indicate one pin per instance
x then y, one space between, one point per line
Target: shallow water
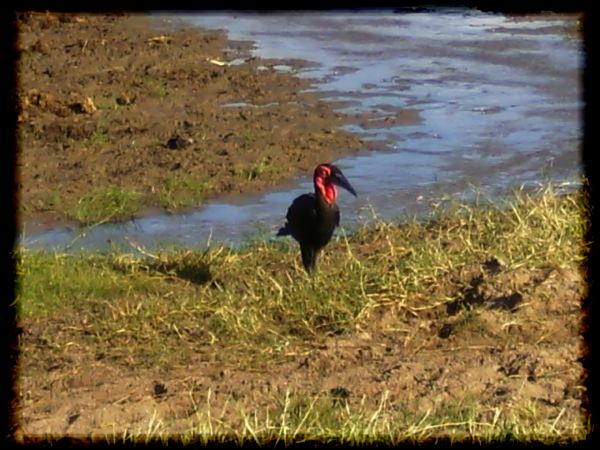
497 102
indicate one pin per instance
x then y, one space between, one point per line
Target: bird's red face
327 189
326 177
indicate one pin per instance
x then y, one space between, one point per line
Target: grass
157 88
175 193
111 203
117 204
98 137
181 192
54 200
259 169
106 102
262 287
255 305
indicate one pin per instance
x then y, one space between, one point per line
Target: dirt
129 101
112 100
510 343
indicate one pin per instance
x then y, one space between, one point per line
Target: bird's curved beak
340 180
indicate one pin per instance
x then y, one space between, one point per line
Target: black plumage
312 218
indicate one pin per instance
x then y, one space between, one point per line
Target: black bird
311 218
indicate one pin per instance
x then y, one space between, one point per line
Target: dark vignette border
9 327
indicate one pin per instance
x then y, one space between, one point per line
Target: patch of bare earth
507 343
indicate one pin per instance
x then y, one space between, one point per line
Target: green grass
181 192
31 131
55 282
255 304
259 169
118 204
161 90
54 200
98 137
106 102
258 296
157 88
110 204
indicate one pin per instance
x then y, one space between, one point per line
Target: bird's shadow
197 272
190 266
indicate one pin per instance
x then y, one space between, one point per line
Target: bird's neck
327 191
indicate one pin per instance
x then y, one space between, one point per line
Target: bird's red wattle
328 190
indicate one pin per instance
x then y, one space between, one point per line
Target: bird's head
326 178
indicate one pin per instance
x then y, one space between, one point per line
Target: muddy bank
131 103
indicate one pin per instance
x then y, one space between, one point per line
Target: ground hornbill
311 218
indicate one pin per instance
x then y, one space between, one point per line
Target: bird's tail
309 258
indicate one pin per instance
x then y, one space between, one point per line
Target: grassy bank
470 279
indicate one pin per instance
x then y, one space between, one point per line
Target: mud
132 102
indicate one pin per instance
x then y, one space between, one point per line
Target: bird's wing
302 211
